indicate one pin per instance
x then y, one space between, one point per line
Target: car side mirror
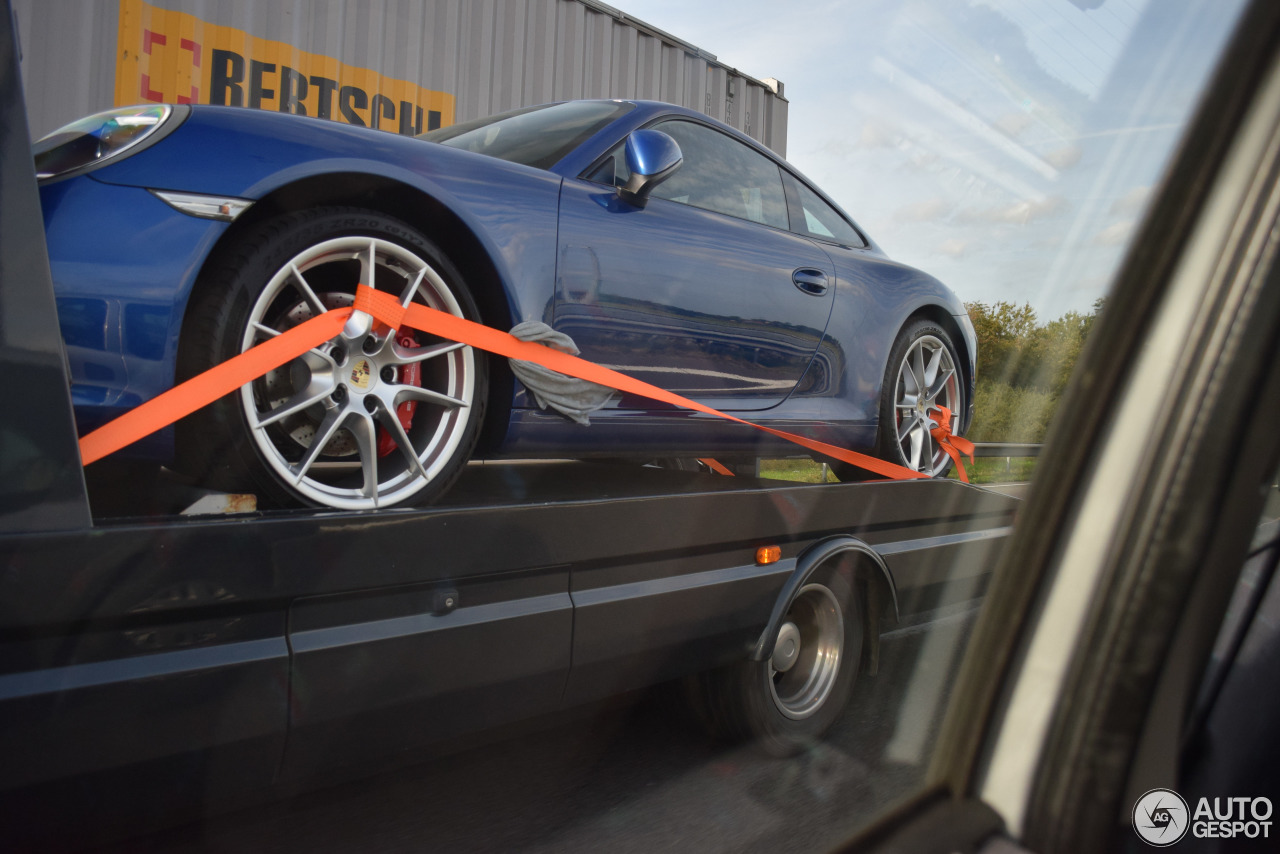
652 157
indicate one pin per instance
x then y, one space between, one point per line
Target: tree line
1023 368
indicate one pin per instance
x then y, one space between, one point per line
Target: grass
800 471
997 469
982 470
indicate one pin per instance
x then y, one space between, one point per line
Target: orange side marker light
766 555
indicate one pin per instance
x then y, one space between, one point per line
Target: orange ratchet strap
203 389
225 378
951 443
716 466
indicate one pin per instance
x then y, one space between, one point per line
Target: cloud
1065 157
953 247
923 161
1116 234
1095 284
1020 212
1013 124
930 210
1132 202
878 134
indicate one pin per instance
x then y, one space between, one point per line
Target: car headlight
92 141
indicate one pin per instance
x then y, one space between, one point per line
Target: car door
703 290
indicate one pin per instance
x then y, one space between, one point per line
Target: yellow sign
171 57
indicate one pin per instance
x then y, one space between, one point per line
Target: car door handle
812 282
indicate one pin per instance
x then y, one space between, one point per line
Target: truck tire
789 701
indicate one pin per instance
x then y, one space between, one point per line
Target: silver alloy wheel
316 420
814 623
927 378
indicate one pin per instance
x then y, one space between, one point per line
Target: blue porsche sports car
665 244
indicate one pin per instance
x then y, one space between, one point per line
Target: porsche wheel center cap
361 374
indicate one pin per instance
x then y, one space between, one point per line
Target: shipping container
400 65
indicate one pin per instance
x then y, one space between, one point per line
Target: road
634 779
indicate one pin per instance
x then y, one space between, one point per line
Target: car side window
612 170
819 219
723 175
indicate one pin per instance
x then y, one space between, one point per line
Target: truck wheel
368 419
789 701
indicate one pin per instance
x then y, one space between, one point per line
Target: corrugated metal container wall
461 59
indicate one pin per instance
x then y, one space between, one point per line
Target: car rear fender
964 342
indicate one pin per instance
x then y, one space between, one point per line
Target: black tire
788 712
903 437
351 390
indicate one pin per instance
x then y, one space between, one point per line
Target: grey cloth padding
570 396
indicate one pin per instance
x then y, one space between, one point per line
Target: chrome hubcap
927 379
786 649
809 648
316 420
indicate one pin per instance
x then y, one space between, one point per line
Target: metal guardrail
1004 449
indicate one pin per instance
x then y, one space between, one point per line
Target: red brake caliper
410 374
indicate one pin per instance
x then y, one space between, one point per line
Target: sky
1008 147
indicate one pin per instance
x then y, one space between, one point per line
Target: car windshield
534 136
